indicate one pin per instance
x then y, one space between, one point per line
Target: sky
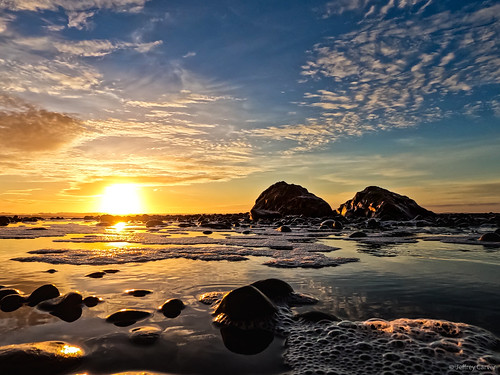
201 105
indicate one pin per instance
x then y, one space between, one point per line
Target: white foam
402 346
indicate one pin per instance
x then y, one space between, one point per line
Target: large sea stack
376 202
283 199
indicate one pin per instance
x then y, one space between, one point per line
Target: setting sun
121 199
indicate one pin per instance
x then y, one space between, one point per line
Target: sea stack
283 199
376 202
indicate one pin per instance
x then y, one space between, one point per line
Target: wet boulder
376 202
275 289
7 291
41 358
127 317
490 237
67 307
245 307
92 301
283 199
12 302
43 293
172 308
4 221
145 335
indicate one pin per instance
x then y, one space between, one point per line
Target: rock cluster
376 202
283 199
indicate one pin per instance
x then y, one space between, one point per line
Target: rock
92 301
138 292
96 275
376 202
4 221
358 235
154 223
12 302
284 229
111 271
172 308
51 270
245 306
145 335
127 317
6 291
246 232
43 293
287 199
275 289
316 317
67 307
207 232
41 358
246 341
490 237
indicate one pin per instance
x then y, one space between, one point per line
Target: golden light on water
121 199
69 350
119 226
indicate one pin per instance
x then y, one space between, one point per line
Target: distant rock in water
288 199
376 202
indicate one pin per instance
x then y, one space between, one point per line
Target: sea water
428 276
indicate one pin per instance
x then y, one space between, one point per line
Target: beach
426 273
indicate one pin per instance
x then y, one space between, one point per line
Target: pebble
96 275
138 292
92 301
12 302
127 317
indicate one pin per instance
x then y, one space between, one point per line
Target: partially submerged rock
12 302
288 199
41 358
145 335
43 293
172 308
376 202
127 317
67 307
490 237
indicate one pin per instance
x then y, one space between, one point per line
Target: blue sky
204 104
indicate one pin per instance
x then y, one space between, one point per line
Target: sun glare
121 199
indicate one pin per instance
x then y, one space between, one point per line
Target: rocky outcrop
283 199
376 202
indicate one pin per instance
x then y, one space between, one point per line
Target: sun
121 199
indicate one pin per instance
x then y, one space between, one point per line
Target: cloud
72 5
398 72
79 20
26 128
98 48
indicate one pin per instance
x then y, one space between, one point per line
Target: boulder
41 358
376 202
288 199
172 308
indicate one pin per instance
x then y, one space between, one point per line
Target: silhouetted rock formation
376 202
287 199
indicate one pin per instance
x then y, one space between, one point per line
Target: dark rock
287 199
138 292
316 317
45 292
275 289
7 291
38 228
331 224
41 358
373 224
52 270
96 275
375 202
92 301
67 307
146 335
244 305
490 237
127 317
172 308
217 225
154 223
12 302
207 232
246 232
284 229
4 221
246 341
357 235
111 271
